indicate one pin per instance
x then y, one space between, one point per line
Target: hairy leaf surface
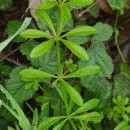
104 32
15 86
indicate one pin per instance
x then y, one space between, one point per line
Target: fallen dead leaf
33 5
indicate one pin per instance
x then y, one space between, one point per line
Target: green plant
119 6
34 77
65 78
5 4
119 112
121 108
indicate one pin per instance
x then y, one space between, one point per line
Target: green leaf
10 128
27 47
23 121
125 101
75 96
35 118
125 117
5 69
81 2
80 31
78 39
23 26
28 85
0 103
121 125
87 106
121 85
46 19
34 33
94 11
98 88
93 116
88 70
63 20
47 5
97 56
12 27
76 49
48 122
41 48
66 12
5 4
46 62
123 67
117 4
35 85
127 109
104 32
30 74
15 86
126 128
59 126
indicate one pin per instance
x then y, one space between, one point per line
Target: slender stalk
116 41
72 124
58 43
58 58
65 100
59 62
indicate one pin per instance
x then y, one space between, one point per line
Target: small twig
14 62
116 40
87 9
12 52
27 8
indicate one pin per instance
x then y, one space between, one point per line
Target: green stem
116 41
60 67
58 43
72 124
58 58
65 100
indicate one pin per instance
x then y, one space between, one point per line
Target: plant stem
73 125
116 35
58 58
65 100
58 43
59 62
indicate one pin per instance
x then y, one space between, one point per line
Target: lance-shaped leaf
74 95
59 126
88 70
23 121
30 74
48 122
41 48
47 4
76 49
81 2
66 12
34 33
121 125
86 106
23 26
46 19
62 20
80 31
93 116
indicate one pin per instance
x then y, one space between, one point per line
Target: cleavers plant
34 77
